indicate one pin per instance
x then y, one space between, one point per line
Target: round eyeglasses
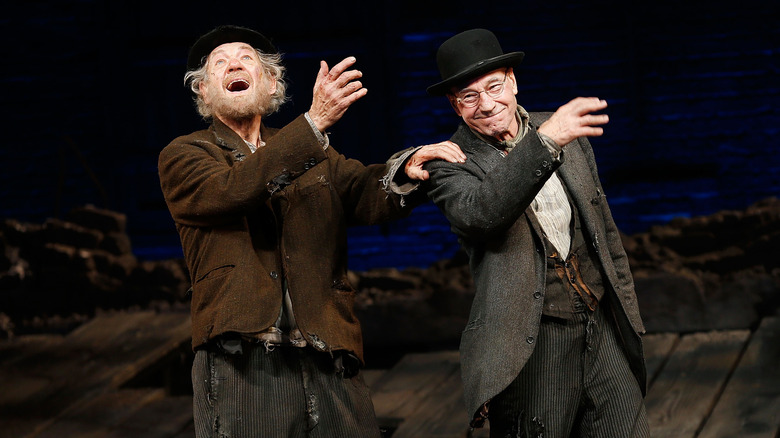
470 99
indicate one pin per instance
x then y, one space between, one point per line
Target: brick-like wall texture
92 90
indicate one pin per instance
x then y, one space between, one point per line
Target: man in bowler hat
262 216
552 347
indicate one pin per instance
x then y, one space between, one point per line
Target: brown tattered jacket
248 221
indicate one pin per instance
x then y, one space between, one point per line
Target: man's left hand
334 91
445 150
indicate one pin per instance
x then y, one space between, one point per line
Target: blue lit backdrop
92 90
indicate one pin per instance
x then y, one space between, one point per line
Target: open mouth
237 85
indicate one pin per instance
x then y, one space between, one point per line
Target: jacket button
538 172
530 339
274 275
537 295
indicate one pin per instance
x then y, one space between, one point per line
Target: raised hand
334 91
574 120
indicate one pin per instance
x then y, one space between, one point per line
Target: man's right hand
445 150
574 120
334 91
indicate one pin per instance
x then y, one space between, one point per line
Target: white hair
272 66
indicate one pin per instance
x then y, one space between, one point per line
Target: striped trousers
577 383
285 392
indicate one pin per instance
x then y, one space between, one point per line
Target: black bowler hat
222 35
469 55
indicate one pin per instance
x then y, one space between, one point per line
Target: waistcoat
575 284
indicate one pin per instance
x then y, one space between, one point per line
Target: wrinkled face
494 113
236 87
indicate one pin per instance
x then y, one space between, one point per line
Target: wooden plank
134 342
167 417
127 413
398 393
658 347
420 396
49 377
750 404
22 384
96 417
12 349
441 413
690 383
55 376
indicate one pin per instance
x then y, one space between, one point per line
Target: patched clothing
488 202
249 222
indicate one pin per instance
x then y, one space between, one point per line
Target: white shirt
551 205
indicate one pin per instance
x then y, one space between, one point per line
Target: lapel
481 154
583 191
485 156
227 139
573 173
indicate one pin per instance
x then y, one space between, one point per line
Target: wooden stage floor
111 378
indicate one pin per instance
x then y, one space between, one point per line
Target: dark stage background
92 90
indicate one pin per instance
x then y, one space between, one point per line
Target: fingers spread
339 83
335 90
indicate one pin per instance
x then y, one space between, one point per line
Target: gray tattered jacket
487 201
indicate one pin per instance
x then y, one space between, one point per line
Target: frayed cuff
321 137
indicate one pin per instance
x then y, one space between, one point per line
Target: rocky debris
713 272
694 274
55 274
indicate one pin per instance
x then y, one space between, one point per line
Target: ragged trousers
285 392
577 383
